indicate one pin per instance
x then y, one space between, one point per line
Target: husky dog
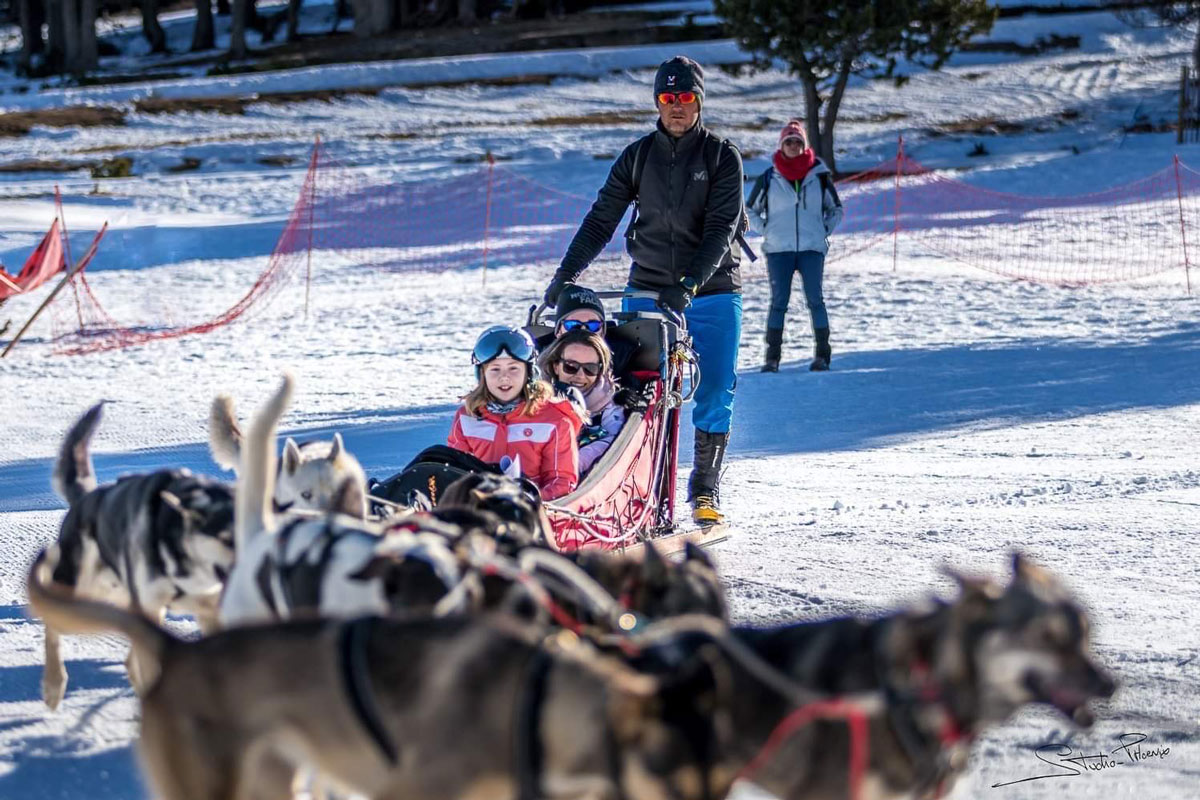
150 542
398 708
946 674
309 475
304 564
454 559
516 500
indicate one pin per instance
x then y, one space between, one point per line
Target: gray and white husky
148 543
310 475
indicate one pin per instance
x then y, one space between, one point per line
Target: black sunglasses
593 325
572 367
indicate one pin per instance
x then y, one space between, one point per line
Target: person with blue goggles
512 412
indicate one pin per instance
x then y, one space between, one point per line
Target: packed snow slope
964 417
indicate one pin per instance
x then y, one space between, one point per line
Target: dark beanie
574 298
679 74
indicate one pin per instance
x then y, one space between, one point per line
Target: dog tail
224 433
256 477
74 475
57 606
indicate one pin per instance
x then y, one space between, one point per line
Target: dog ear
694 552
291 456
350 498
654 567
335 452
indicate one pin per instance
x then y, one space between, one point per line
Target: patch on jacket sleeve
477 428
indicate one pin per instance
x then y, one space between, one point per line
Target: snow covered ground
965 416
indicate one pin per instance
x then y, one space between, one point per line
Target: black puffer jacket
686 219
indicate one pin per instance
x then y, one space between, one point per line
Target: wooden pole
74 271
487 213
1183 103
1187 266
896 212
312 201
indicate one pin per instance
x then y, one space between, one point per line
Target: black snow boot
774 350
704 483
822 353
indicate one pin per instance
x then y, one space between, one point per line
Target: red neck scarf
794 169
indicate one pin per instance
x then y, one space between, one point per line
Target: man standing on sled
686 187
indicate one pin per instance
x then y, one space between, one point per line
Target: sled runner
628 496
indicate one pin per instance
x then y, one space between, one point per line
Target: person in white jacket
796 208
580 365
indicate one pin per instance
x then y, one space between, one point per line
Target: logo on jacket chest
702 175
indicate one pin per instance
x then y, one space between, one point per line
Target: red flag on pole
43 263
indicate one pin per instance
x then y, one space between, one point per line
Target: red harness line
855 718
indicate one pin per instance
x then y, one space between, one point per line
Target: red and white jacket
546 442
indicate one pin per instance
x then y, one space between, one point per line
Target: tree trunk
812 114
70 17
466 12
1196 55
237 32
204 35
151 29
33 14
54 41
89 57
831 113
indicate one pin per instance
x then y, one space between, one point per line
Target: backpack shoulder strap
639 162
827 185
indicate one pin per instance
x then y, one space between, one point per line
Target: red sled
629 496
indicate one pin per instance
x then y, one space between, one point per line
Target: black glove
631 400
676 298
555 289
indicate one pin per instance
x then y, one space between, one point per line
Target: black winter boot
822 353
774 350
703 486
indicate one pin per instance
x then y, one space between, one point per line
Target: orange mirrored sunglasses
667 98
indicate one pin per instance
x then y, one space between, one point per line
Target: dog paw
53 691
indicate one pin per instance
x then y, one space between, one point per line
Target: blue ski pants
715 324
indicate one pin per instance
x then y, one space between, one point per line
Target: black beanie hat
574 298
679 74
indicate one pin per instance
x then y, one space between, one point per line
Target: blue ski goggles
503 339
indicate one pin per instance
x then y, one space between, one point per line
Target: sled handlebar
537 311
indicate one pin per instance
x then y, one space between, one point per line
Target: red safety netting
1123 233
99 331
493 216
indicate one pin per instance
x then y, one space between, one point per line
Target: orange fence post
896 212
487 213
1187 270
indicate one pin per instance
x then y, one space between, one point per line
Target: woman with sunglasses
581 360
513 413
797 208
